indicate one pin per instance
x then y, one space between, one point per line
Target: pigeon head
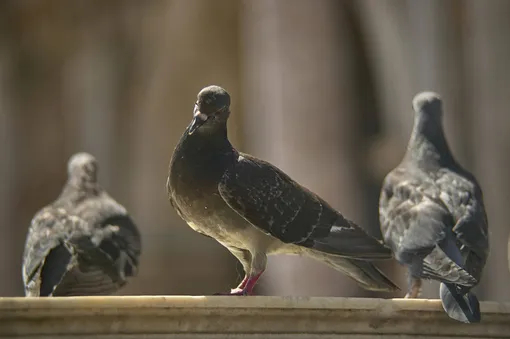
211 109
82 167
428 105
428 142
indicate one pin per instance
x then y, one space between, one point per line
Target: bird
432 215
254 209
83 243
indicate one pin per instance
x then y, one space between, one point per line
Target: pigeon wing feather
271 201
416 224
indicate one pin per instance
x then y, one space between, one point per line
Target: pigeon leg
245 287
414 287
258 265
245 258
248 286
242 284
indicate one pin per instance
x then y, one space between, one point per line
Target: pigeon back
273 202
432 214
86 230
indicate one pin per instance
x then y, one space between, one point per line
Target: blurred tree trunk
35 124
8 264
298 107
487 46
117 80
170 71
413 46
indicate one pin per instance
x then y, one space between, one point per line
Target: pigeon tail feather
86 280
461 307
349 240
363 272
438 265
91 251
81 267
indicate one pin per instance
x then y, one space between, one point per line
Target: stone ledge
241 317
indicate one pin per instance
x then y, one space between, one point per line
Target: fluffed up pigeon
84 243
254 209
432 215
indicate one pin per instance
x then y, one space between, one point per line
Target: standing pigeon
433 217
84 243
254 209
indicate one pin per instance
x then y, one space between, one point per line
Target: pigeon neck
83 184
209 140
428 144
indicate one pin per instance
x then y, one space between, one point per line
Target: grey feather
431 209
253 208
84 243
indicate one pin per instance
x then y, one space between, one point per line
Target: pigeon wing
417 227
464 198
123 245
45 259
271 201
411 222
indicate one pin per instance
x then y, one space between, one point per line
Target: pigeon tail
91 250
89 277
349 240
444 263
459 305
366 274
84 280
81 267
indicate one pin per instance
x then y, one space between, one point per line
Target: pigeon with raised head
254 209
84 243
433 217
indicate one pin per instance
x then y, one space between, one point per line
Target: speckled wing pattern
270 200
47 258
423 219
65 254
463 196
122 246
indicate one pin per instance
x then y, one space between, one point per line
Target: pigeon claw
414 288
235 292
238 291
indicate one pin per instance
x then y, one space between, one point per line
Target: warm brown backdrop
322 88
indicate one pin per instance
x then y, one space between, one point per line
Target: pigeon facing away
432 215
84 243
254 209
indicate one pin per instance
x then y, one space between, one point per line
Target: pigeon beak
198 120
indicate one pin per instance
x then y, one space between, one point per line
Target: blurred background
321 88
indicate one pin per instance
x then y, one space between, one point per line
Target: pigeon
254 209
433 217
84 243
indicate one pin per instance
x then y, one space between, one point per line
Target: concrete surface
158 317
